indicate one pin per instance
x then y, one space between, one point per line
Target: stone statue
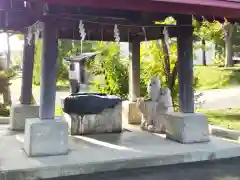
153 110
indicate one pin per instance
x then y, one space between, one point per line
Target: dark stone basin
89 103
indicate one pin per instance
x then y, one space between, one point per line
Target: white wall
210 52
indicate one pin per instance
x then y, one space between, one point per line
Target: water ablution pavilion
45 149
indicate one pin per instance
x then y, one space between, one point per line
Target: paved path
16 92
222 98
217 170
214 99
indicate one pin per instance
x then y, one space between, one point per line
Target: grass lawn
226 118
212 77
58 110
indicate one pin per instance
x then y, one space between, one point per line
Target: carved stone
153 110
108 121
131 114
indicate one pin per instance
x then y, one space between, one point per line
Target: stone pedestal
109 121
45 137
20 113
131 113
153 118
187 127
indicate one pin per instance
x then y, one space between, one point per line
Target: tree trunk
204 60
166 60
170 76
228 31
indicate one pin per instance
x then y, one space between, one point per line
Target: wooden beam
4 4
17 20
106 33
95 31
135 17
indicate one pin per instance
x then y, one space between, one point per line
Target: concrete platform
106 152
225 169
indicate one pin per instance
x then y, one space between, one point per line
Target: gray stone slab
45 137
108 152
19 114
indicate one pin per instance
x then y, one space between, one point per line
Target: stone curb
225 133
4 120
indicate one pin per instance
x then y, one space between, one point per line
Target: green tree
112 67
160 59
37 62
211 32
66 48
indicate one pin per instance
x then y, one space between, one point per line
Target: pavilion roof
218 8
100 16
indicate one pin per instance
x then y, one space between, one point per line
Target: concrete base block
45 137
187 127
21 112
130 112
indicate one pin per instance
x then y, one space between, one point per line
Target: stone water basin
90 113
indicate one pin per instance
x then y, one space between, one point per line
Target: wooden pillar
27 73
134 71
8 51
185 71
49 71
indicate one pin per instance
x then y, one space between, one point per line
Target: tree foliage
110 69
210 32
66 48
5 78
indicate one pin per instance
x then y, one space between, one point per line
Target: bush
112 68
4 110
219 60
5 77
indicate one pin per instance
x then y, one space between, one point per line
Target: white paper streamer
116 33
82 30
166 36
145 38
30 36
